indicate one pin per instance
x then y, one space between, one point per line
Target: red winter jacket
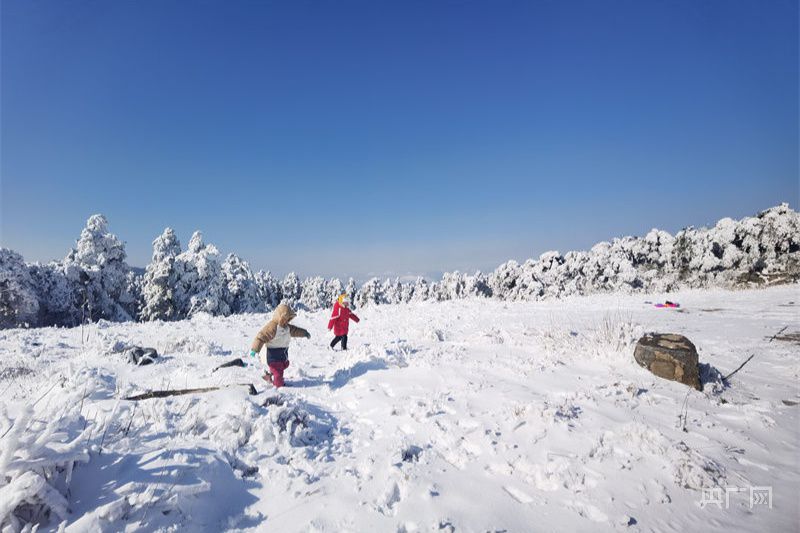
340 319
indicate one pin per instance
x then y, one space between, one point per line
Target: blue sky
352 138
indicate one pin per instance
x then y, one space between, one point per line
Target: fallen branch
181 392
740 367
753 355
236 362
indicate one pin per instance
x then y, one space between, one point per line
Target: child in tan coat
276 335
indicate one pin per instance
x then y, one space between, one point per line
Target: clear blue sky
349 137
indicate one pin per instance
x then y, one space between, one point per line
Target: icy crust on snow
457 416
94 281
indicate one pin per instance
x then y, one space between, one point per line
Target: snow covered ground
469 415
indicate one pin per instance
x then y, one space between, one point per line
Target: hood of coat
283 315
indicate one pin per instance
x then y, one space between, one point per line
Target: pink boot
277 369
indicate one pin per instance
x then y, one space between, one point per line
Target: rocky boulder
669 356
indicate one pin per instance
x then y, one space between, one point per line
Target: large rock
669 356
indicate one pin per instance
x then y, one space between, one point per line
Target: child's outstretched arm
294 331
354 318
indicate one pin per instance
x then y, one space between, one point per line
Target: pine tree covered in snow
421 290
19 304
291 289
392 291
269 290
333 288
100 257
240 284
407 292
370 293
200 286
160 279
351 290
314 294
477 285
60 299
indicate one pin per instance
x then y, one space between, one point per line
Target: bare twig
740 367
753 355
53 386
133 414
34 404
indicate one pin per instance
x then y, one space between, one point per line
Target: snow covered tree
314 295
407 292
291 289
371 293
392 291
503 281
351 289
160 279
333 288
241 287
269 290
100 256
19 304
477 285
199 284
60 298
421 290
452 286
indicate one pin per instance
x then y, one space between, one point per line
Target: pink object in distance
668 305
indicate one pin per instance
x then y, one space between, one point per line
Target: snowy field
470 415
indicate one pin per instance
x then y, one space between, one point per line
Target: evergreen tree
291 289
200 285
161 279
241 287
19 304
98 262
269 290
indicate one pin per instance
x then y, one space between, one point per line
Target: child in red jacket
340 320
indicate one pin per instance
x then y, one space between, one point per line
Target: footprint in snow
517 494
587 510
388 504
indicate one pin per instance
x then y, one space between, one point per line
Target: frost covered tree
333 288
60 299
760 249
98 263
19 304
199 283
503 281
314 294
477 285
269 290
291 289
407 292
371 293
241 287
752 249
391 291
421 290
452 286
351 289
160 279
